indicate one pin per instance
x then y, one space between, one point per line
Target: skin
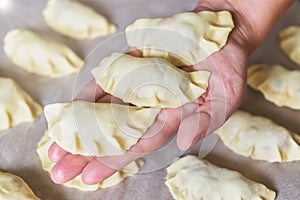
253 20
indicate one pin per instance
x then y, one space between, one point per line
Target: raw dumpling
97 129
13 187
278 85
42 150
191 178
259 138
290 42
183 39
16 106
149 81
40 55
76 20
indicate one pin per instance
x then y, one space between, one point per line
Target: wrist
261 15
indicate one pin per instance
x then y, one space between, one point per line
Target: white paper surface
18 145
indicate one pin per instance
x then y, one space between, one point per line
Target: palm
191 121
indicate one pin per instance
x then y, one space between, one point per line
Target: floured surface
18 145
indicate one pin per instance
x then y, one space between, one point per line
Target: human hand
194 120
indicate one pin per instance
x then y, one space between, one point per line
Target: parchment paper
18 145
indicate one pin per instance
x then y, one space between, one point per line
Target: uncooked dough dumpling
39 54
183 39
13 187
150 82
76 20
278 84
290 42
190 178
259 138
97 129
16 106
42 150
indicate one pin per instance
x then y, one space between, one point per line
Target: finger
110 99
220 100
100 169
91 175
134 52
68 168
56 153
209 117
91 92
163 129
158 134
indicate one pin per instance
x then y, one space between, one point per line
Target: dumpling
97 129
13 187
259 138
16 106
290 42
278 85
76 20
191 178
151 82
40 55
42 150
183 39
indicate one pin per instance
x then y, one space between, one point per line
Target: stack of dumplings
149 83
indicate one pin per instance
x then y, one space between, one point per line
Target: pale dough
39 54
13 187
290 42
16 106
278 85
259 138
76 20
97 129
149 82
190 178
77 183
184 38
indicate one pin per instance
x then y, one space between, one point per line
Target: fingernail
184 144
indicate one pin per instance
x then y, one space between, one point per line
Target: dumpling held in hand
42 151
153 82
97 129
183 39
